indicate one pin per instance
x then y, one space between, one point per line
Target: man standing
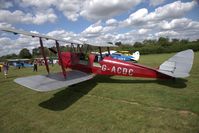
35 66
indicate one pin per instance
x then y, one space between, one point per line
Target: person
22 65
5 69
35 66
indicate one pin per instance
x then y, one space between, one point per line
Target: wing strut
100 50
43 53
108 51
60 59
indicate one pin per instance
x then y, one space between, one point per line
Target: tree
9 56
62 48
163 41
14 56
109 42
46 51
184 41
175 40
35 52
138 44
25 53
118 43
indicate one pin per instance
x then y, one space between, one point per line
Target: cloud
136 17
43 11
100 9
179 24
70 9
5 25
156 2
93 30
100 29
20 17
173 10
167 34
6 46
111 22
5 4
184 27
40 4
43 17
10 46
167 12
142 31
141 23
69 36
89 9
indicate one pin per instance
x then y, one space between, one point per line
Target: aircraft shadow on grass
65 98
173 83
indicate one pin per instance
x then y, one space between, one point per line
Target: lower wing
53 81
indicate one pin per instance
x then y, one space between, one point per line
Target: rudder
179 65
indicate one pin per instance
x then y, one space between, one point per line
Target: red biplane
82 69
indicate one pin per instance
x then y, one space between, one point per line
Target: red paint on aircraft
109 66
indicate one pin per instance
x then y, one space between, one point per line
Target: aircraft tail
136 56
179 65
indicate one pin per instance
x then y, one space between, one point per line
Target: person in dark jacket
35 66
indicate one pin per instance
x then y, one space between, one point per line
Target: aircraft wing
101 45
53 81
15 31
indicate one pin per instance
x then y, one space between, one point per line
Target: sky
96 21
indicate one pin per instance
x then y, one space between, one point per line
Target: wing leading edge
16 31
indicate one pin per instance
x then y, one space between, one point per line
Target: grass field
103 104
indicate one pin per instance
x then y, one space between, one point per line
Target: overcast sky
97 21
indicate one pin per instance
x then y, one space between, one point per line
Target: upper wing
53 81
101 45
15 31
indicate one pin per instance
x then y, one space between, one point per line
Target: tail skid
179 65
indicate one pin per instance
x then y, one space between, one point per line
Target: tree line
162 45
36 53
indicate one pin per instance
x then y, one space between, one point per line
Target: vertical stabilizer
136 56
179 65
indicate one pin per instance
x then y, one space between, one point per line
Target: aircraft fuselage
109 66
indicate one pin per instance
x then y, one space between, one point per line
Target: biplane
76 67
134 57
123 55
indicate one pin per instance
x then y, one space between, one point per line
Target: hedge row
156 49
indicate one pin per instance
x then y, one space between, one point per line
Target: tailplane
179 65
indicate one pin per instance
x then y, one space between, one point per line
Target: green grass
103 104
